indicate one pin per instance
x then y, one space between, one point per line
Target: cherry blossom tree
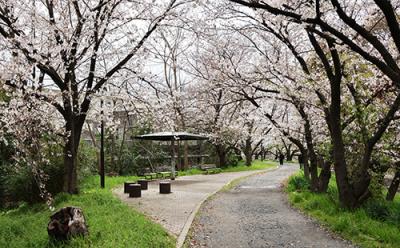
66 43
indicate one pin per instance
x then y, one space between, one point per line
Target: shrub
297 182
377 210
87 158
232 159
19 183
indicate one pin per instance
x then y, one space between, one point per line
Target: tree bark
248 152
393 186
73 126
324 177
221 153
74 129
306 167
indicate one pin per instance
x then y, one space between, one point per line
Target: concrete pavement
175 211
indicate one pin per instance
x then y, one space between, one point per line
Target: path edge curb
180 241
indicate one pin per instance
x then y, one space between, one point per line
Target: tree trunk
74 129
263 155
393 186
346 196
324 177
248 152
70 164
306 168
221 153
289 154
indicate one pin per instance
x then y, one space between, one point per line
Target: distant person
301 162
281 157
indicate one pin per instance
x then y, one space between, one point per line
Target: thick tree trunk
324 177
74 129
306 169
310 147
248 152
289 155
346 194
221 153
70 166
313 169
393 186
249 159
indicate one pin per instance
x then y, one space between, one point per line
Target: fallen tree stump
67 222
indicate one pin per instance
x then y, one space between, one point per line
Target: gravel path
255 214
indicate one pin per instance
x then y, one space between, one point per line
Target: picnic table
210 168
161 173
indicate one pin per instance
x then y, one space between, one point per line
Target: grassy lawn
376 224
111 222
256 165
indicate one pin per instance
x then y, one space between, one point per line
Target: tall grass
111 222
375 224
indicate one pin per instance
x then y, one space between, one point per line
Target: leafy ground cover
256 165
375 224
111 222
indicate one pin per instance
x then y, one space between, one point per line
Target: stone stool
126 186
165 187
134 190
144 184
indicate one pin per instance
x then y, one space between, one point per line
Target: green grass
111 222
375 224
256 165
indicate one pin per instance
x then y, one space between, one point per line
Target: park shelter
171 136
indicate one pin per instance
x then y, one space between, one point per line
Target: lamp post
102 176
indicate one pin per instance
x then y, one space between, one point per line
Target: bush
297 183
377 210
20 185
88 164
232 159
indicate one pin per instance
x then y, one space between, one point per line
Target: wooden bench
210 168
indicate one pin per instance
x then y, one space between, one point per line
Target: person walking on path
281 157
301 162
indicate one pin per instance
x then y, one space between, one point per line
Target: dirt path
256 214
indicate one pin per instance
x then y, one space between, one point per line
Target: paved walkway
255 214
174 210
